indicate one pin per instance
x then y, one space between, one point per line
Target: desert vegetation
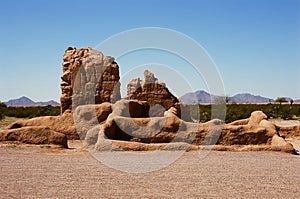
242 111
28 112
233 111
2 107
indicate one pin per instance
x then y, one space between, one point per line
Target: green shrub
280 99
31 112
233 111
2 110
2 105
243 111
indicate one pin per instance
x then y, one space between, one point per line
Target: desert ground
45 171
49 172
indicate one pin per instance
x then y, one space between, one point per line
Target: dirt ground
49 172
46 172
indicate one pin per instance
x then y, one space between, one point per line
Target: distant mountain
51 102
249 98
204 97
201 97
25 101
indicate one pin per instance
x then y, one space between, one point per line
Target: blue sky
254 43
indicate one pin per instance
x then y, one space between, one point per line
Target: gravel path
35 172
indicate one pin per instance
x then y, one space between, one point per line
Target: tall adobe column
88 77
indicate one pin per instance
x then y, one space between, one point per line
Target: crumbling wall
88 77
152 91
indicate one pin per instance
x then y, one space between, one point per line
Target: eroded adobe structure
148 118
88 77
151 90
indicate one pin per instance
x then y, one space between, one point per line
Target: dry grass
6 121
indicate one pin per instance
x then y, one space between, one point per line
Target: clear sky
254 43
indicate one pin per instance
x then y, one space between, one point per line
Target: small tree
2 105
280 100
291 102
2 108
227 99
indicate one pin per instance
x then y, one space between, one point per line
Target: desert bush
2 105
30 112
233 111
280 99
2 109
243 111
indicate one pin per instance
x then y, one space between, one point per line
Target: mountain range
25 101
204 97
200 96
